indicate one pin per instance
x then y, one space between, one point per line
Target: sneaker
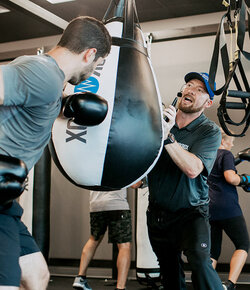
228 285
81 283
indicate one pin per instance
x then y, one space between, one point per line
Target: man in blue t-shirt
225 211
177 215
30 100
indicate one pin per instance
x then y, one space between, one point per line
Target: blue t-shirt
32 100
224 201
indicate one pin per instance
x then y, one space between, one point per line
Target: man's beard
190 109
77 79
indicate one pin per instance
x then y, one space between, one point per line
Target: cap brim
194 75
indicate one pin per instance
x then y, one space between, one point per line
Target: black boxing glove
245 182
243 155
85 109
13 173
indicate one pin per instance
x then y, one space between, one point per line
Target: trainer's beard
191 109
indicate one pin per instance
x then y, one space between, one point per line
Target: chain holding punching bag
126 145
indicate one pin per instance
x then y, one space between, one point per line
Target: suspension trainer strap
220 47
242 28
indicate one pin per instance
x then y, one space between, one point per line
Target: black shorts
15 241
236 230
118 223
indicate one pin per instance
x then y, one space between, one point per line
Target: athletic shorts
235 228
15 241
118 223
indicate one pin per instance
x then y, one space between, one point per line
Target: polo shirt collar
194 123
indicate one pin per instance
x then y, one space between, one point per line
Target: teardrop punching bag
126 145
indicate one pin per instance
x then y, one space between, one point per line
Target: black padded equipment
13 173
85 109
243 155
125 146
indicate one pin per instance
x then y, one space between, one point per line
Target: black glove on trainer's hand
85 109
245 182
13 173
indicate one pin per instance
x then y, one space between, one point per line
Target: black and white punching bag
126 145
147 266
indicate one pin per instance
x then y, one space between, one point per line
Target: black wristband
170 139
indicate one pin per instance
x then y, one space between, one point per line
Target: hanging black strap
220 47
128 28
129 43
229 69
242 28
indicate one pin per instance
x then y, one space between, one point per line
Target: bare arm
136 185
189 163
232 177
1 87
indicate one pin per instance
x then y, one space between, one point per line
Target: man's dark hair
86 32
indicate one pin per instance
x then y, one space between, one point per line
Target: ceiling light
58 1
3 9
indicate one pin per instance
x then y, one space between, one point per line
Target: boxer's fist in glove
13 173
243 155
85 109
245 182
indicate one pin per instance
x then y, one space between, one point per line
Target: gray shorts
118 223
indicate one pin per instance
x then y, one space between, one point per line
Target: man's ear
209 103
89 55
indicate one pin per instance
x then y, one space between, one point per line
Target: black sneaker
228 285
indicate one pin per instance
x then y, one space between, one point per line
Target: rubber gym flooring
65 283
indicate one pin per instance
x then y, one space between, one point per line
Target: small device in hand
173 104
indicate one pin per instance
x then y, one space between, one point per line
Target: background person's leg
237 262
123 264
236 230
88 252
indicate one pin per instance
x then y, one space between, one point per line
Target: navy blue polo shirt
224 201
171 189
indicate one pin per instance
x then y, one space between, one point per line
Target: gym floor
62 279
65 283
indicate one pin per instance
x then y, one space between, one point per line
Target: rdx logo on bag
71 128
89 85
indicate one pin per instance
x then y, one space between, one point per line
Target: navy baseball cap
204 77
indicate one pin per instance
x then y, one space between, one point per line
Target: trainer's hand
170 113
245 182
13 173
85 109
